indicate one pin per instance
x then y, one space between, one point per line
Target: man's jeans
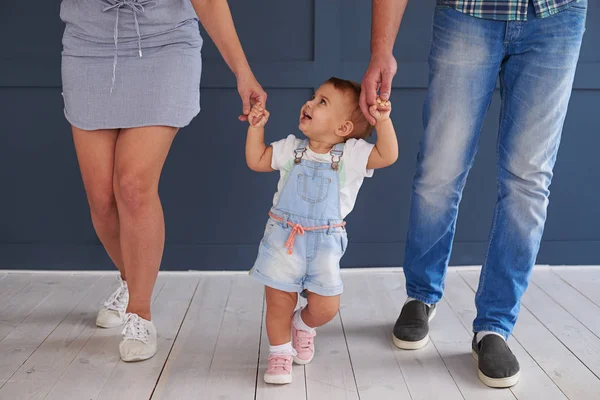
536 62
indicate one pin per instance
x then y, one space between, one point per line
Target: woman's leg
139 158
96 157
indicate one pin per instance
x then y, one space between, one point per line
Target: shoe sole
108 326
405 345
495 382
303 362
278 379
138 358
413 345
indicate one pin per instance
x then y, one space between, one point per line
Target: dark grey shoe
497 366
411 331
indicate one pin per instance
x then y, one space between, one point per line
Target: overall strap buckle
336 156
300 151
298 154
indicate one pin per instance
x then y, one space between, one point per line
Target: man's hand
379 75
258 116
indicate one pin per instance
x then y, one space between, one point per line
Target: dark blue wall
215 207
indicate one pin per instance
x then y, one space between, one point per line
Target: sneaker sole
108 326
105 322
413 345
303 362
495 382
278 379
138 358
406 345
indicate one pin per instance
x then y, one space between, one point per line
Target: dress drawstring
136 7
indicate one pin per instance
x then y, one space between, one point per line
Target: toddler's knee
279 302
325 308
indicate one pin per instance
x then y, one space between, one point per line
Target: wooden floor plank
378 374
25 293
579 306
582 342
424 370
187 369
534 382
234 365
88 373
21 342
567 372
41 371
453 342
10 285
330 376
586 281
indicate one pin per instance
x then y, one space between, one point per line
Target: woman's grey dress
130 63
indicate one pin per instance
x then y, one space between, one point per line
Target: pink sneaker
279 370
304 344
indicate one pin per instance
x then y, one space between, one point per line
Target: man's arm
385 22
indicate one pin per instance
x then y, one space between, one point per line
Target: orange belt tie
298 229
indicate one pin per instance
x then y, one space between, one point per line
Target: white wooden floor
212 341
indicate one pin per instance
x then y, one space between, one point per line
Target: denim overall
310 198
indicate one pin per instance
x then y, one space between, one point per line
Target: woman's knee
103 206
133 191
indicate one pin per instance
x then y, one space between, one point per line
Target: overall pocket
313 189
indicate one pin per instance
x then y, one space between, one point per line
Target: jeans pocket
580 7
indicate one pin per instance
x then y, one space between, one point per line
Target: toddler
305 236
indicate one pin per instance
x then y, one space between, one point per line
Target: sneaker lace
280 361
304 340
135 329
118 300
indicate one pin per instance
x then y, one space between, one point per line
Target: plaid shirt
506 10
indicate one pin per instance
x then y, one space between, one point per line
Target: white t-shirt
353 166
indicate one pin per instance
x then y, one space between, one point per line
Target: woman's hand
258 116
251 93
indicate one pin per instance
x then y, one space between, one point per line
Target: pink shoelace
280 362
304 340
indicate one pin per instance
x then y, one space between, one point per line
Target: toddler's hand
381 110
258 116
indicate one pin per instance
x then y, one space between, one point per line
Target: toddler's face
323 117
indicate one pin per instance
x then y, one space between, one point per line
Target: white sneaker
139 339
113 312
